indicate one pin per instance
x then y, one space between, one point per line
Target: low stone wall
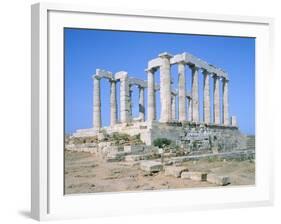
201 138
196 137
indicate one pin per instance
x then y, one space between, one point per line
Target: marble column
182 92
113 104
173 99
189 109
96 104
124 99
165 88
195 94
225 115
141 103
155 109
216 100
206 98
150 95
130 101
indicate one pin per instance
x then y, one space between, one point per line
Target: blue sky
87 50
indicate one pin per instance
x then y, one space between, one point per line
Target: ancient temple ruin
180 124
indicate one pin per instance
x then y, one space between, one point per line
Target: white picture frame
48 201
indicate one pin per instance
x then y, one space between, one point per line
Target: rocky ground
89 173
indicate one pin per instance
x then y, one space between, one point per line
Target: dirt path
87 173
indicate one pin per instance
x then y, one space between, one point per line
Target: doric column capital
151 70
205 72
165 55
194 67
225 80
182 62
112 80
96 77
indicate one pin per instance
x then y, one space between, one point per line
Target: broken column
141 103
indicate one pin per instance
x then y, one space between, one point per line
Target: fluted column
206 98
173 99
113 104
165 88
216 100
225 115
150 95
195 94
182 92
189 109
130 102
124 98
141 103
155 109
96 104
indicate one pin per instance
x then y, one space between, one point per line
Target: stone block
175 170
115 157
101 136
151 166
130 158
198 176
219 180
134 148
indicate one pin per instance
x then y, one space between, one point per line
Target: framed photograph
137 112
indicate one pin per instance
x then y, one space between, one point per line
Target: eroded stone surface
199 176
219 180
151 166
175 170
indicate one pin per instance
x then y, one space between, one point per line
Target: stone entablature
169 112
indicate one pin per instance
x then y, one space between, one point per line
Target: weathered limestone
150 95
195 94
113 103
134 148
206 98
97 104
151 166
216 100
198 176
165 88
225 102
219 180
141 103
182 92
175 170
